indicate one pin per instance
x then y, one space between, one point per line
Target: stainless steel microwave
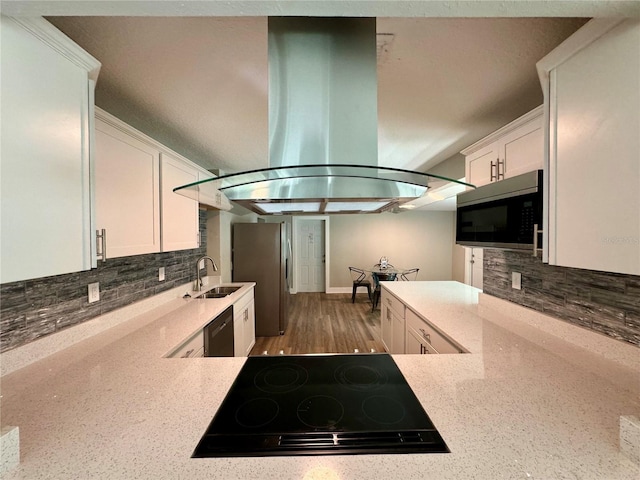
505 214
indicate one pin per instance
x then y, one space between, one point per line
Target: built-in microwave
505 214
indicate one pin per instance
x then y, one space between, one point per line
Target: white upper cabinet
591 85
180 227
512 150
127 190
47 114
135 202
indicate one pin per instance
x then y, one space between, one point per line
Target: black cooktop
319 405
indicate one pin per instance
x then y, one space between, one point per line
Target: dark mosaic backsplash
607 303
31 309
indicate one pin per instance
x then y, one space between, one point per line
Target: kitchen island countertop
524 403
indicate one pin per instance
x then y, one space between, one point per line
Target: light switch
516 280
94 292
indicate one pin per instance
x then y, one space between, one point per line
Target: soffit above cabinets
200 85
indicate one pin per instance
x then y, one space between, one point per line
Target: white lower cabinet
193 348
386 327
403 331
427 338
392 323
244 325
417 344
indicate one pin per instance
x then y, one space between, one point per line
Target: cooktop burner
319 405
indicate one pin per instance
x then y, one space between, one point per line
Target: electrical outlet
94 292
161 274
201 266
516 280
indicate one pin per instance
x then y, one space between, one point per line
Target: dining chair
408 275
358 276
377 278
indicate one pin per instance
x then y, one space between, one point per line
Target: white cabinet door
416 344
244 325
397 341
594 171
127 192
47 102
238 333
512 150
481 166
392 322
249 328
179 213
386 327
522 150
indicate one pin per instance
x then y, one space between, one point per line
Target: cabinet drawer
393 303
431 336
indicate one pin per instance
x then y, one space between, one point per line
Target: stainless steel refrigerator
261 254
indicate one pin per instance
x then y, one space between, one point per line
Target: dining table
379 274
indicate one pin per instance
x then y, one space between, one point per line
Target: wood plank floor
322 323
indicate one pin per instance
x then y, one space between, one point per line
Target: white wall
410 239
458 264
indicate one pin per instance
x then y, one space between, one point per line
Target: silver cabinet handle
499 174
426 336
101 244
535 239
493 165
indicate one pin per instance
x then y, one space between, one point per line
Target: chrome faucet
199 280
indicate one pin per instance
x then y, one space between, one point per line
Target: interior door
473 274
310 255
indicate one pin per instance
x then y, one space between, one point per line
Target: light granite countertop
530 400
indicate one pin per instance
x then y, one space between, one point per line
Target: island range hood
323 123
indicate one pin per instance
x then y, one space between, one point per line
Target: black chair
358 277
409 275
377 278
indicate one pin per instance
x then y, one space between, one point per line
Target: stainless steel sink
219 292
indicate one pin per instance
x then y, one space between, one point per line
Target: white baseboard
338 290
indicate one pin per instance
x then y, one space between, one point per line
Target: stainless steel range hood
323 122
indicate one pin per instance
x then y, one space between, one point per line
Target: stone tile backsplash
608 303
31 309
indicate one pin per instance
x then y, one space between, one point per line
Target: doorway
310 254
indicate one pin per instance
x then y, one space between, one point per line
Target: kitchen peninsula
533 398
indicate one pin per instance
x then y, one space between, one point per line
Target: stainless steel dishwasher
218 335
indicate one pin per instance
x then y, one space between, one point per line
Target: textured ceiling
199 84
